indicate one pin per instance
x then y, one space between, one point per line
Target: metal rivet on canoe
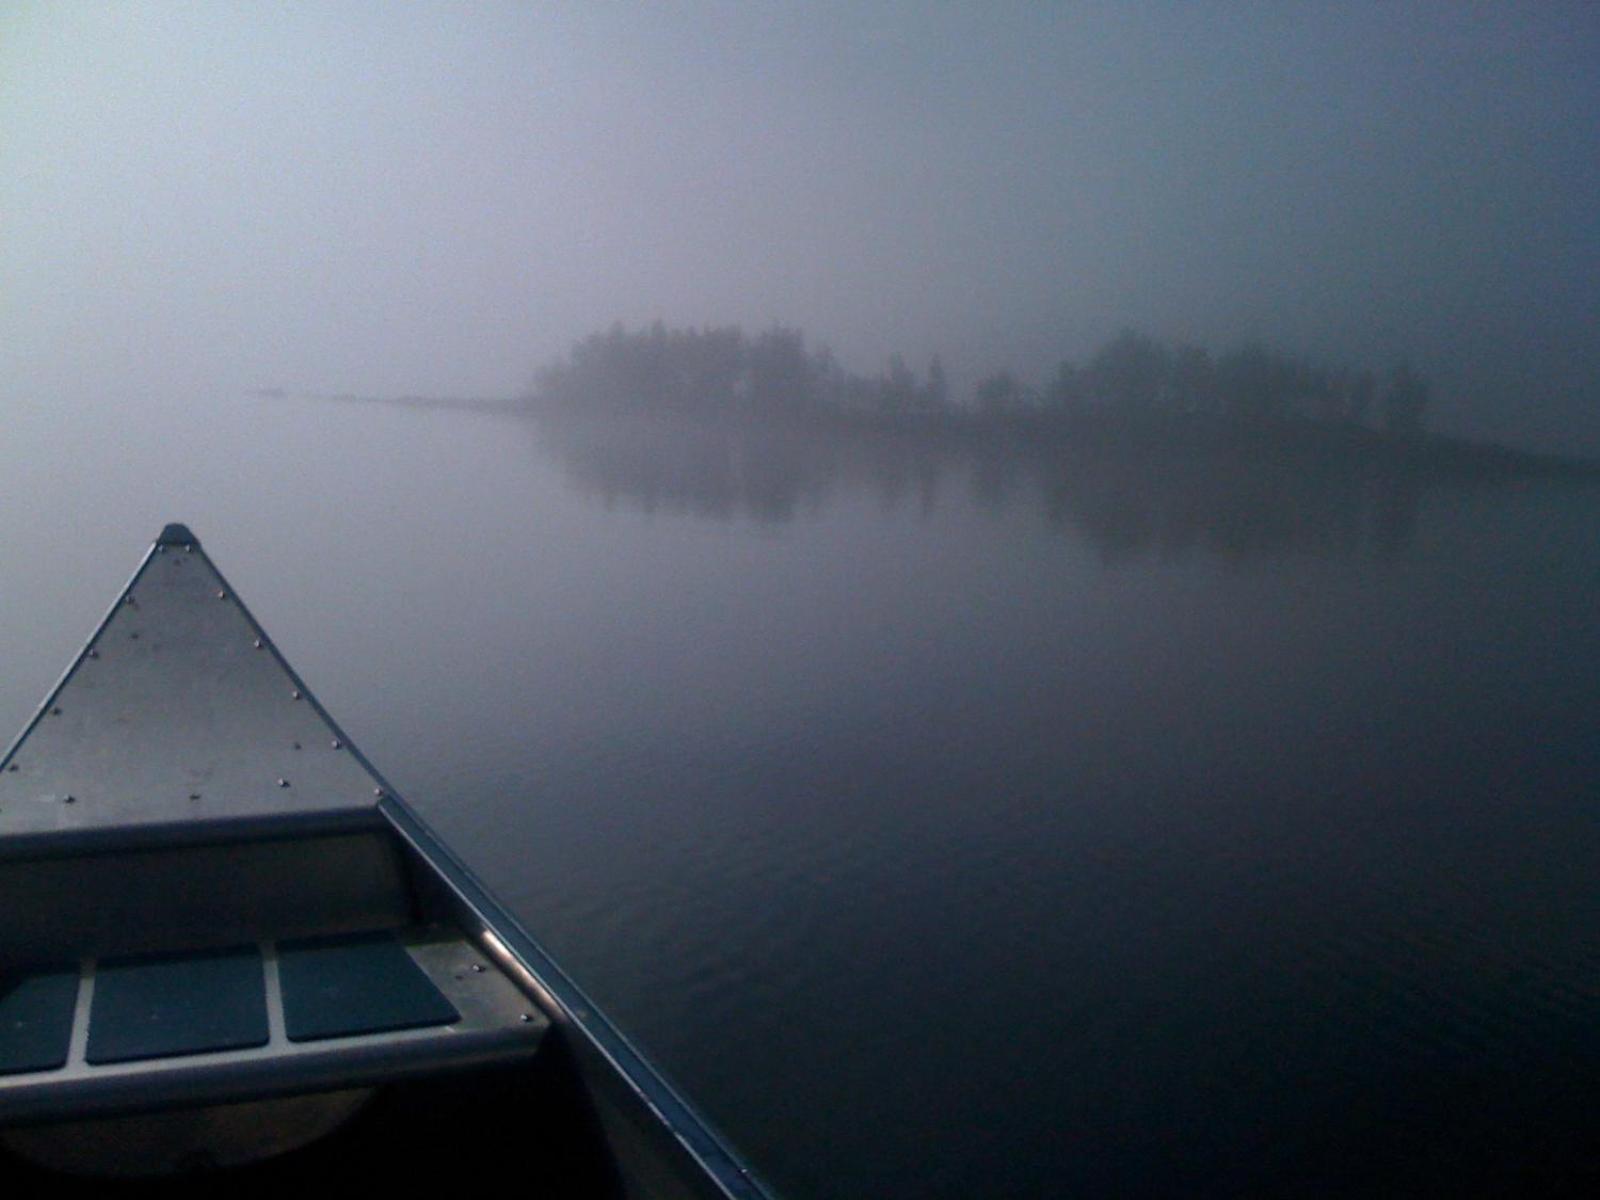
295 695
221 595
337 744
93 653
12 767
55 712
257 643
378 792
161 549
188 548
478 968
282 782
69 799
128 599
525 1018
297 745
194 795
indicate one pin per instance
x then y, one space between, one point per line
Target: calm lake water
947 822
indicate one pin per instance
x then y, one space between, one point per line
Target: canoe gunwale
574 1013
21 847
72 668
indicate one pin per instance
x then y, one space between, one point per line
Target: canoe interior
232 952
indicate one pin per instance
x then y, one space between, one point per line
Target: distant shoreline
1197 435
480 404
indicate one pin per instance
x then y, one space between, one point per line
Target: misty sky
436 199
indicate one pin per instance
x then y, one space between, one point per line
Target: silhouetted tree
1358 407
998 394
936 395
1068 391
1193 379
710 368
1255 384
897 390
1333 396
1131 371
781 374
1404 402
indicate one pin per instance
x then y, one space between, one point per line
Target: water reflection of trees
1126 502
1234 509
697 470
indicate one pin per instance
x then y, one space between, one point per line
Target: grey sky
435 199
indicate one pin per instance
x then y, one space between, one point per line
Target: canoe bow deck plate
179 711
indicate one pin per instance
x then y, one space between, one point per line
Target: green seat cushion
160 1006
355 984
36 1019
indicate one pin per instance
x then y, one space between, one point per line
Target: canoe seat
273 1018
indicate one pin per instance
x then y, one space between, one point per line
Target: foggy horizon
202 201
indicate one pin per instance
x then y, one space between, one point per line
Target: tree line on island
724 373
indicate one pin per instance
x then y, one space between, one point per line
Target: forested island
1143 447
1134 391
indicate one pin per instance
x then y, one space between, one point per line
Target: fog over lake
1011 779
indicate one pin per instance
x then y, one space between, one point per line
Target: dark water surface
951 821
